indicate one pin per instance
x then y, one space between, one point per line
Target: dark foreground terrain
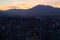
38 28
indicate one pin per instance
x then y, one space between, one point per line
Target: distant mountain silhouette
35 11
2 13
44 10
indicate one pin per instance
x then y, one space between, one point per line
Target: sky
26 4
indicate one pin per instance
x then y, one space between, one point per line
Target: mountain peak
35 11
42 6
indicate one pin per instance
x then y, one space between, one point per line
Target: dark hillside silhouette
38 23
38 10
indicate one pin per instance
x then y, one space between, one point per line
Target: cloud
25 4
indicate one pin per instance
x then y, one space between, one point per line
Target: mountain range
38 10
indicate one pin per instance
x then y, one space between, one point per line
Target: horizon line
28 8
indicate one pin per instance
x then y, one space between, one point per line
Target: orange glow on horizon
56 5
17 6
24 6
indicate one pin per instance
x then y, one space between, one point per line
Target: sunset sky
26 4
